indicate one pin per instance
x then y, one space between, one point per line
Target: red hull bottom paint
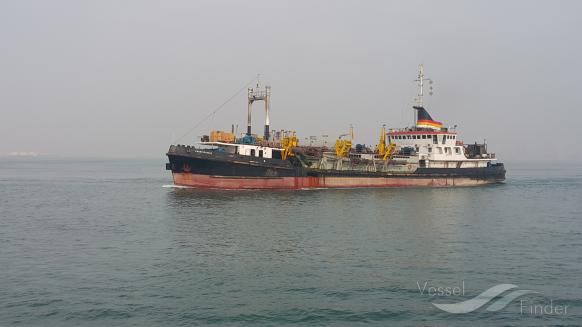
227 182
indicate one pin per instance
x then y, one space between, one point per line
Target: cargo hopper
426 154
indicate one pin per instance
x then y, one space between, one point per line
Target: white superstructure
437 149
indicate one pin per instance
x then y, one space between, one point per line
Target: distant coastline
22 154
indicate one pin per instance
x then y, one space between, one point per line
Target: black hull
243 166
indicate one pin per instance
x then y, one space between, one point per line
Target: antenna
420 98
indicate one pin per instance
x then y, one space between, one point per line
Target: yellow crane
288 143
389 151
342 147
381 148
385 151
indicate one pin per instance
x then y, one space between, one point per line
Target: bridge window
260 153
458 150
252 152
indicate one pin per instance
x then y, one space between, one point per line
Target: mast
267 108
256 94
249 107
420 97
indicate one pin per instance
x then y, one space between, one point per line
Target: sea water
102 242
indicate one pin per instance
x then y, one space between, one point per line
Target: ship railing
179 148
400 156
482 156
258 94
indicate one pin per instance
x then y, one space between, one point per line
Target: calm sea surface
109 243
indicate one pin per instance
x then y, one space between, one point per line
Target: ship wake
176 186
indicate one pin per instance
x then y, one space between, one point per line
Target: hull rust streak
229 182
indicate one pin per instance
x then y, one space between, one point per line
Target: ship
425 154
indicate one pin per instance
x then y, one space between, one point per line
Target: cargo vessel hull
210 171
229 182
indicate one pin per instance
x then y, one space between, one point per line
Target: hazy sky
123 78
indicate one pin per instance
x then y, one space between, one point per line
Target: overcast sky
124 78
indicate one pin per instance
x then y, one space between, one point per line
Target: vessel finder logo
484 298
493 299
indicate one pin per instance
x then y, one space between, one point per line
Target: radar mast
420 97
